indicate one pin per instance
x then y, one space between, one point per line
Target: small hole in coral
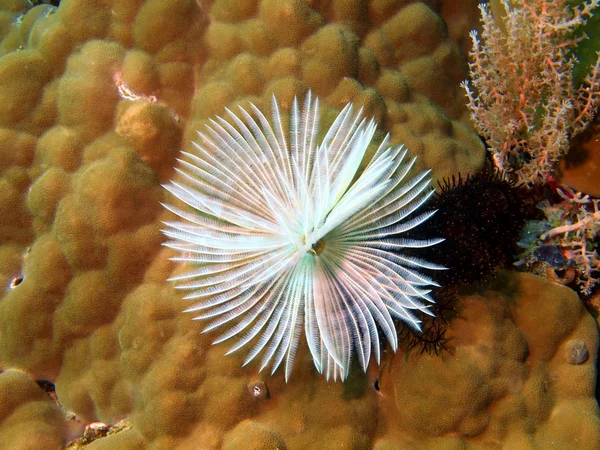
258 390
376 384
16 281
46 385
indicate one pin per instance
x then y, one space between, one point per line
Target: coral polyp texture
291 236
98 99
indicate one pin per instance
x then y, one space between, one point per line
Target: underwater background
98 98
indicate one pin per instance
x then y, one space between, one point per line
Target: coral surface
97 100
29 418
522 374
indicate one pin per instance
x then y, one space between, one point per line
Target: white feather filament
286 237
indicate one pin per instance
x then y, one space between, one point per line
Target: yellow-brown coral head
287 235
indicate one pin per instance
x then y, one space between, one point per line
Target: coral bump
287 234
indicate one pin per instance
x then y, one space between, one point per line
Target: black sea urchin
481 218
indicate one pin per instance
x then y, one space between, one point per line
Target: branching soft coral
524 102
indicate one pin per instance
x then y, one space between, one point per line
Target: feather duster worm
286 236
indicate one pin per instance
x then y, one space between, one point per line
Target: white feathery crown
286 235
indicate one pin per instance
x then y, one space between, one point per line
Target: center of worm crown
317 247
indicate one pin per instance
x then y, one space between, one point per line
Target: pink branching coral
568 241
524 102
576 236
